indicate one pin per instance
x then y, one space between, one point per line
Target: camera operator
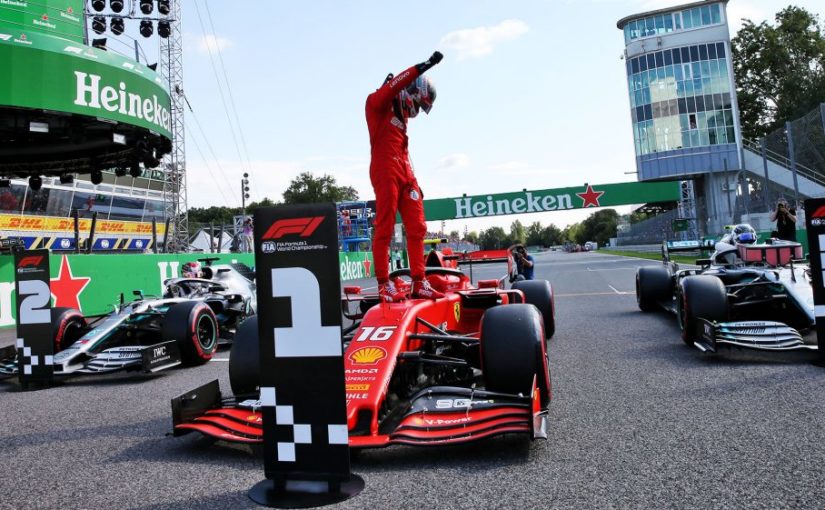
785 218
524 261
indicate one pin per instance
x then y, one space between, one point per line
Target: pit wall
93 283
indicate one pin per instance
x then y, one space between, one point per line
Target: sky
531 94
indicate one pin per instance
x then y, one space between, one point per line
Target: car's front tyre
194 326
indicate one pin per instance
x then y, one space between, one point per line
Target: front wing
435 416
756 335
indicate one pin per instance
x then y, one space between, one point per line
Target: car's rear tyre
701 297
68 325
194 326
540 294
513 352
654 285
244 364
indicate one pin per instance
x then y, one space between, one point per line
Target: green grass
651 255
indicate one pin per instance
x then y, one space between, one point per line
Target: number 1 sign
302 366
35 344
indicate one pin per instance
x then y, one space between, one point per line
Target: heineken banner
60 18
355 265
81 80
577 197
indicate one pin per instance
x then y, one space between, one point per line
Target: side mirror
352 289
138 294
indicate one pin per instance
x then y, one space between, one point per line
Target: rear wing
488 257
703 245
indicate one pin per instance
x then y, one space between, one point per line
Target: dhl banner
20 223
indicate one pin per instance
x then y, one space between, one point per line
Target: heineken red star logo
45 17
367 265
66 288
70 10
590 198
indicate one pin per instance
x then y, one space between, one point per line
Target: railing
785 162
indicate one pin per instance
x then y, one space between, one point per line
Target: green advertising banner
49 73
93 283
355 265
578 197
60 18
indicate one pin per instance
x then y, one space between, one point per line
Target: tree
551 235
534 235
471 237
599 226
779 70
493 238
517 233
308 189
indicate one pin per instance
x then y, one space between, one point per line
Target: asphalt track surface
638 420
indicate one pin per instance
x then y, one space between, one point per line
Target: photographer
785 218
524 261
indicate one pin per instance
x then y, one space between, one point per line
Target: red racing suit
395 186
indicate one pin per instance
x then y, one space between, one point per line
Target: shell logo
368 355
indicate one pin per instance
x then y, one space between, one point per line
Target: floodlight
98 5
99 24
163 7
164 30
146 6
146 28
116 26
116 5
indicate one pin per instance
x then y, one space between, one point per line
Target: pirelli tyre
700 297
192 324
513 351
540 294
654 285
68 325
244 367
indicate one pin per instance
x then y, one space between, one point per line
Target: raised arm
391 89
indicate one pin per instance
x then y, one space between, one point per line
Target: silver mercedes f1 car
746 295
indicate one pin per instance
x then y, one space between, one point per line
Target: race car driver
396 188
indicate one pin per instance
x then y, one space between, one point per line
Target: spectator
785 218
246 239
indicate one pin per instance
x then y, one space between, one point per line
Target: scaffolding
174 187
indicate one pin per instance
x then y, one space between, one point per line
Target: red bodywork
435 415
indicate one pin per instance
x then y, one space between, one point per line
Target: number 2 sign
35 345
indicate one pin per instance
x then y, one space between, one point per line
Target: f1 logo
33 260
306 337
302 226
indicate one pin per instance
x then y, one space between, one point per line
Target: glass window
124 208
627 33
716 13
669 74
60 202
37 201
634 65
668 23
677 20
677 56
720 50
695 140
154 209
642 63
87 203
685 54
668 57
696 17
696 70
691 107
11 198
692 121
731 135
722 135
678 73
660 76
728 118
648 111
700 104
705 139
651 61
703 52
694 53
660 24
634 33
650 27
687 71
697 86
712 51
706 15
84 185
659 59
686 19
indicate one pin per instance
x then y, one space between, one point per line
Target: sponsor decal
255 418
459 403
589 197
15 3
65 243
467 207
818 216
414 194
368 355
66 288
358 387
159 351
457 311
447 421
354 269
5 37
361 370
375 334
104 243
304 227
30 261
91 94
357 396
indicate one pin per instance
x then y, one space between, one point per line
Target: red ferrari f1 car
468 366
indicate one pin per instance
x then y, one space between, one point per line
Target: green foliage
517 233
472 237
534 235
599 226
307 189
779 70
551 236
493 238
